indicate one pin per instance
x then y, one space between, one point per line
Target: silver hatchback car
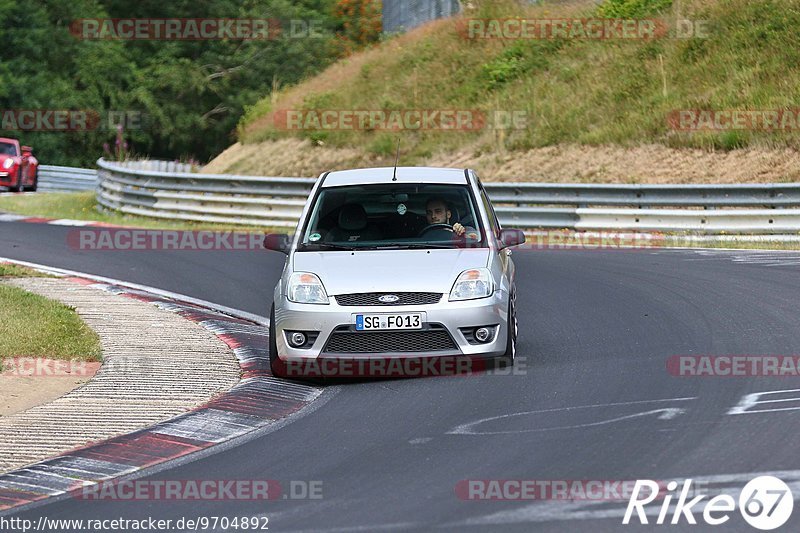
391 272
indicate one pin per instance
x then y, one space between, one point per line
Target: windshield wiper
327 246
403 246
415 246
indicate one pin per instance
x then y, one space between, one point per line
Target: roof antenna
396 159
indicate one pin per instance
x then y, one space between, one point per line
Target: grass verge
38 327
8 270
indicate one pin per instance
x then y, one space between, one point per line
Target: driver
437 212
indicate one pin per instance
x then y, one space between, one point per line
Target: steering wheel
431 227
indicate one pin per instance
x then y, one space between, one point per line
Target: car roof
8 140
363 176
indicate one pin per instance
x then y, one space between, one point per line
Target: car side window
493 222
494 215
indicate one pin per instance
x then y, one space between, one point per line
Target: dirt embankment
564 164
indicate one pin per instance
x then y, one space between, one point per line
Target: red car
19 170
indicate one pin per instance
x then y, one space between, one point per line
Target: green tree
190 94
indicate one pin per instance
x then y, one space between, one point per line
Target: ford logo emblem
388 298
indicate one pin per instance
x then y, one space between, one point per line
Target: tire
508 358
19 187
278 367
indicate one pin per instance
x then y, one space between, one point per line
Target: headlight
8 163
472 284
306 288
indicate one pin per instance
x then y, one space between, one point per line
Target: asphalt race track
591 400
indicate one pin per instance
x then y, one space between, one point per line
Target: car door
505 263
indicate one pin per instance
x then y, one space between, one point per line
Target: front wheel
35 185
508 358
19 187
278 367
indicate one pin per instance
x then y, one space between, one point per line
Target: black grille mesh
405 298
432 340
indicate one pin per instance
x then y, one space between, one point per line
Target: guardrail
738 208
221 198
160 166
66 179
273 201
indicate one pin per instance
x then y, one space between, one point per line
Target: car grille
405 298
434 339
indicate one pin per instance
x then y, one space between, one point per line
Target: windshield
7 149
381 216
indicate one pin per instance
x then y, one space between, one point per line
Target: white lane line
770 258
665 414
70 222
136 286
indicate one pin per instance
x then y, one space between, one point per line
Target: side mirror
279 242
511 237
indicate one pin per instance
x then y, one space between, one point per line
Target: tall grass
571 90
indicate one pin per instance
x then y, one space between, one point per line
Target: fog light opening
297 339
482 334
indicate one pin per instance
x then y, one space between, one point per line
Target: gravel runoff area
156 365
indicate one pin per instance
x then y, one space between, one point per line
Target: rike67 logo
766 503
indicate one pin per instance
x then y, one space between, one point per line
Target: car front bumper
9 179
450 316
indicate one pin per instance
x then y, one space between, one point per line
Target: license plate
395 321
